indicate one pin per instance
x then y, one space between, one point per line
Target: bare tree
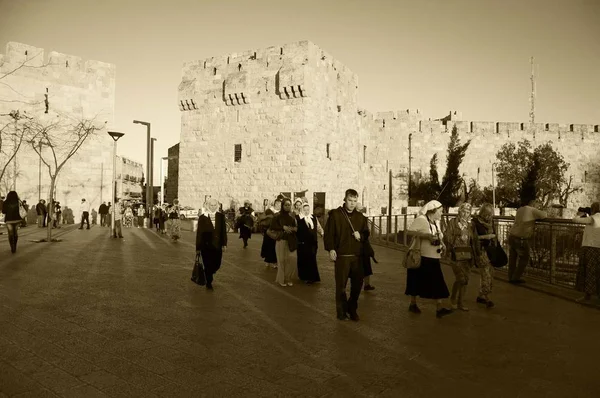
566 189
11 139
62 137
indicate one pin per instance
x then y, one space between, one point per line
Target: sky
433 55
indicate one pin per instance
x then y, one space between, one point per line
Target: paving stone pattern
95 317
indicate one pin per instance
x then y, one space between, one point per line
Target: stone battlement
61 68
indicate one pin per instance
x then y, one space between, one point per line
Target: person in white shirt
588 273
84 210
427 281
141 212
118 217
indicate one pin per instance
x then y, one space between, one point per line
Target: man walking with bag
345 231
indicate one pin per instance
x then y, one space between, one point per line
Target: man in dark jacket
103 211
42 212
211 239
345 231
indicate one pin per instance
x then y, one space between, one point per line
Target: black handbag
496 254
198 275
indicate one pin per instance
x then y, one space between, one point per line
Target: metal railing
554 254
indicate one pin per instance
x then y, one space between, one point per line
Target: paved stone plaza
93 317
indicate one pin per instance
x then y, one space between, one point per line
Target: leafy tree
523 171
433 188
425 189
477 196
452 183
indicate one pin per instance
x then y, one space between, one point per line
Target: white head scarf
431 205
307 219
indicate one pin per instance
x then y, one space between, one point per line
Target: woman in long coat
13 219
245 222
211 239
267 250
307 235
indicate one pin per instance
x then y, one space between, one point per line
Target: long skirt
267 250
307 263
427 281
175 228
245 232
285 270
588 273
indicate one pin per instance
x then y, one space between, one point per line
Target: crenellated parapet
61 69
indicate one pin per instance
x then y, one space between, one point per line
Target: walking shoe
290 284
369 287
414 309
343 317
282 285
209 287
442 312
354 316
481 300
489 304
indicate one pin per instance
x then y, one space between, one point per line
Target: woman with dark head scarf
459 238
427 281
267 250
12 219
308 231
284 224
483 236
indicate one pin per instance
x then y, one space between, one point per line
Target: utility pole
101 180
409 166
532 98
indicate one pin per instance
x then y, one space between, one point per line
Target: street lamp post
115 136
151 179
149 193
493 186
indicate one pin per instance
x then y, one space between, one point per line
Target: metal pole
40 174
101 180
493 188
389 223
409 166
114 189
151 177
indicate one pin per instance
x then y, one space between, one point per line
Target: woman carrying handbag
427 280
485 245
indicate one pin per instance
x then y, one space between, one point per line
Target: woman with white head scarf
267 250
307 236
427 281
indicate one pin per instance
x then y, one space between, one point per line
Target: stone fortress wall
78 88
294 110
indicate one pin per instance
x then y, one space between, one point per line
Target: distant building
129 179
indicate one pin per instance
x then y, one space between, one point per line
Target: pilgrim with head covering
459 239
284 227
427 281
308 231
484 236
211 239
267 250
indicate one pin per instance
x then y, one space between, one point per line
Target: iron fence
554 254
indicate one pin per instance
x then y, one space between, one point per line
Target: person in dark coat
12 218
42 212
103 211
211 239
345 231
245 222
308 231
267 250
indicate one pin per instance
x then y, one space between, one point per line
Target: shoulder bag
22 211
496 253
412 258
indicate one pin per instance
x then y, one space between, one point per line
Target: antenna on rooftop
532 98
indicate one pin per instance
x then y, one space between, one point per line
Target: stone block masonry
287 119
72 86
